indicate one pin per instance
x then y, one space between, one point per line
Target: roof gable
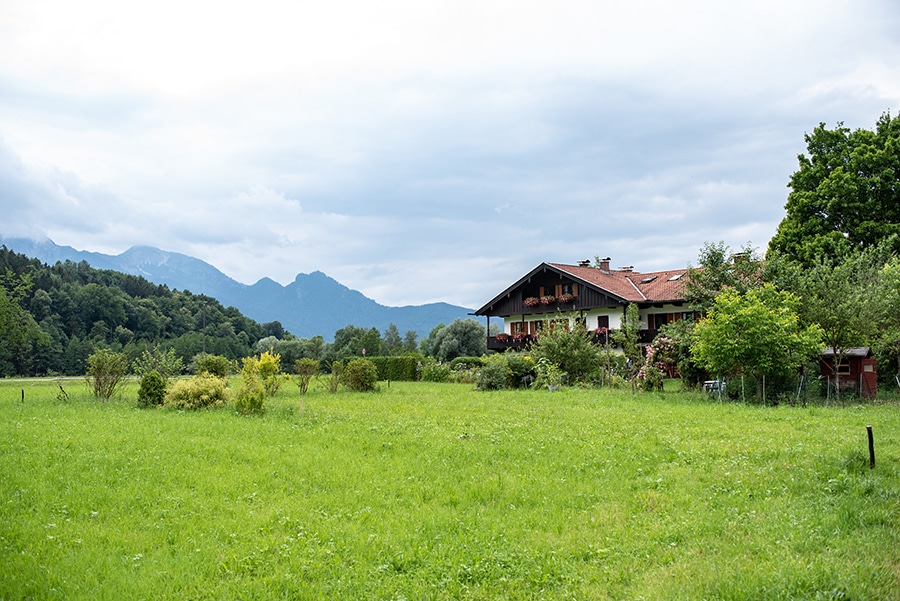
624 286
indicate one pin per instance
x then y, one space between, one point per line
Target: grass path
434 491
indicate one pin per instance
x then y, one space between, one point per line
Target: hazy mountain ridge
312 304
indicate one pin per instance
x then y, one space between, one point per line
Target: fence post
871 447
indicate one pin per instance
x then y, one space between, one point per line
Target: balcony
504 342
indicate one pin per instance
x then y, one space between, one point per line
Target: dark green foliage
521 370
461 363
494 374
720 267
19 332
680 332
462 337
152 391
76 309
844 196
359 375
163 362
570 349
398 369
351 341
391 342
306 369
216 365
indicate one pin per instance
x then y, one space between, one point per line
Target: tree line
830 276
53 317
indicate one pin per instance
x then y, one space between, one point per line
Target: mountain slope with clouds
313 304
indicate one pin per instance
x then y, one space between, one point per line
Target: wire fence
796 389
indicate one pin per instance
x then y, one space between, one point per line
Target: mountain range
313 304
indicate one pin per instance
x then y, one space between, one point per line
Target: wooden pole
23 395
871 447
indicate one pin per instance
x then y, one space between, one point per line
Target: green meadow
436 491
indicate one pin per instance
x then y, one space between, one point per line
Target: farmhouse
594 294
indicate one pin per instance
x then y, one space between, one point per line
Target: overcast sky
424 151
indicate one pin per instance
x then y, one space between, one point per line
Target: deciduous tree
462 338
106 373
757 333
844 196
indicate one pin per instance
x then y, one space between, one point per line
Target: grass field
434 491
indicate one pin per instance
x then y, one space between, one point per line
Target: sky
424 151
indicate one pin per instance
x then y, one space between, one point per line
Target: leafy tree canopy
52 318
844 196
757 333
462 338
720 267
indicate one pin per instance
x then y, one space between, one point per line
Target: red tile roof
656 286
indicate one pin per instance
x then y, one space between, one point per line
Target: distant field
434 491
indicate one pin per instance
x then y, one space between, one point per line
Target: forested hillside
62 313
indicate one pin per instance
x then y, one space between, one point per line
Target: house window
657 320
519 327
603 321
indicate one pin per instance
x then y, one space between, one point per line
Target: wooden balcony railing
508 341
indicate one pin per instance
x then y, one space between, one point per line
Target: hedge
404 368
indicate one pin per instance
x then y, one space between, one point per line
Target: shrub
106 373
333 381
549 373
165 363
216 365
432 371
461 363
252 392
268 368
198 392
305 370
571 350
360 375
153 389
494 374
521 370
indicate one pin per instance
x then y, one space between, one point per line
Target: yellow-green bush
197 392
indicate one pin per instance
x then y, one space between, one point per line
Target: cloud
424 151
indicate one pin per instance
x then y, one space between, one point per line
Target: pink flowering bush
659 363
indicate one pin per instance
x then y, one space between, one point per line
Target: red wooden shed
855 372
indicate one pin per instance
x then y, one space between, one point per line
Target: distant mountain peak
314 304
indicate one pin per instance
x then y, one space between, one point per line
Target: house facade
593 294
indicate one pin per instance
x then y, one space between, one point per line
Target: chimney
627 268
603 264
584 263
